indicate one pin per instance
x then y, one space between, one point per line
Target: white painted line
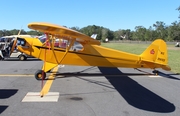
35 97
155 76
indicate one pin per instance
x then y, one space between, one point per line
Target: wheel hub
40 76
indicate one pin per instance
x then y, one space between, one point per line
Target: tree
128 34
161 29
120 34
174 31
140 33
34 33
149 34
6 32
117 35
14 32
75 28
110 35
104 34
2 33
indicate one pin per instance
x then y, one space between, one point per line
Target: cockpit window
42 38
21 41
77 46
63 43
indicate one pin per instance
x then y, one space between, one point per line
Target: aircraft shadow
135 94
6 93
72 74
2 108
168 75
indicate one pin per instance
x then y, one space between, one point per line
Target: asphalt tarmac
89 91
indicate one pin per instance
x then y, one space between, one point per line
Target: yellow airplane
75 48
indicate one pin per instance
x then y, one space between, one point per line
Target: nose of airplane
29 46
25 45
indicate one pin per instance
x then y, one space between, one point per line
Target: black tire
155 72
40 74
25 57
22 57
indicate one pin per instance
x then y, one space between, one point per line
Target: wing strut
52 47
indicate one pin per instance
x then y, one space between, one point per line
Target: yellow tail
156 55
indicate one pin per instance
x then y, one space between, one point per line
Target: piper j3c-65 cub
90 53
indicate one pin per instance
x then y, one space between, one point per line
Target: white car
15 54
20 55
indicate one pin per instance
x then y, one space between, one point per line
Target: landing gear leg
40 74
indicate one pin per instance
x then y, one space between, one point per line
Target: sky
111 14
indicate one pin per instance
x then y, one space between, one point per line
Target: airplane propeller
14 43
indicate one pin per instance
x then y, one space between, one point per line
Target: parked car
15 54
20 55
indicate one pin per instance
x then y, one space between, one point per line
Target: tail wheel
155 72
40 74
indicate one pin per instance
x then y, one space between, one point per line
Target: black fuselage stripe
81 53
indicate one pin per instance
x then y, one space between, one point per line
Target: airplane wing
60 31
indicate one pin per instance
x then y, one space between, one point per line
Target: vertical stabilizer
156 53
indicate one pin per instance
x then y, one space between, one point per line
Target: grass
135 48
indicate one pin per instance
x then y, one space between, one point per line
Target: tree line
158 30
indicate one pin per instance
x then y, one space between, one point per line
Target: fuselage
90 55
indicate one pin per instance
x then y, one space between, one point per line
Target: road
88 91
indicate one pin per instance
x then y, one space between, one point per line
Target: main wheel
40 74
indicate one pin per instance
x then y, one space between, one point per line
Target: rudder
156 53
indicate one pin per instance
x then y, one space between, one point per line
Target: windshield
42 38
